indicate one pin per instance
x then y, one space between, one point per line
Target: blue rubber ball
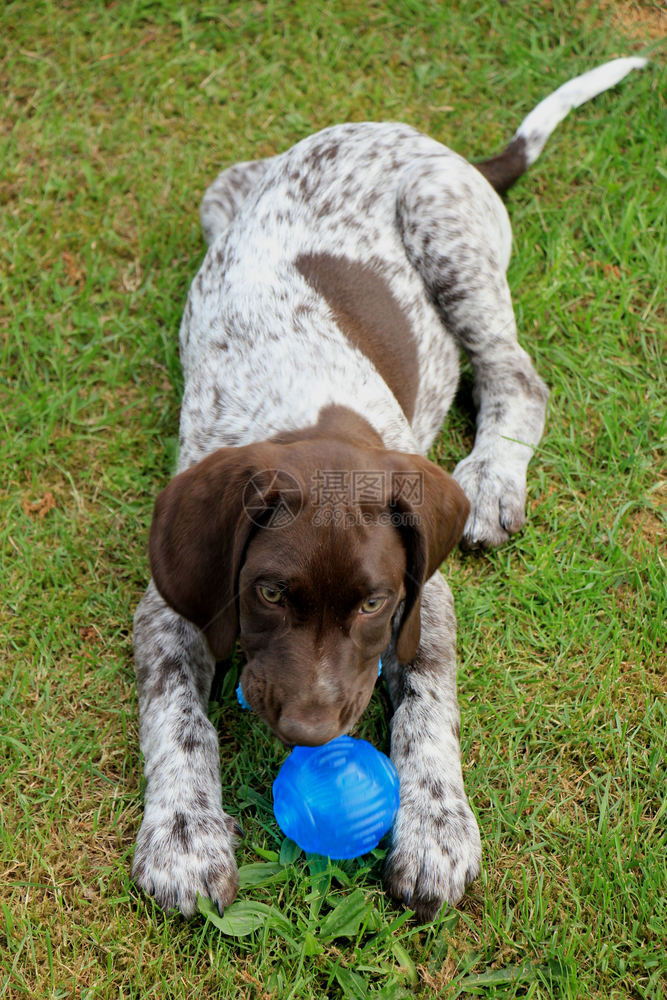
338 799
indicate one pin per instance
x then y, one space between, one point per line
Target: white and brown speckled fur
264 351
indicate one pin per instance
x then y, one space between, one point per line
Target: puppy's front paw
436 853
179 855
497 502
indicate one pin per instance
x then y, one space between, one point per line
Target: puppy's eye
372 604
272 595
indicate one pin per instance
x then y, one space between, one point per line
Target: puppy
320 345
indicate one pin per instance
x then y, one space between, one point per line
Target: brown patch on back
371 318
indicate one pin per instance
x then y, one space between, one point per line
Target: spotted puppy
320 346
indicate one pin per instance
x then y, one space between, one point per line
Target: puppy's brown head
313 554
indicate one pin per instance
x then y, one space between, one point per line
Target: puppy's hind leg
226 193
457 235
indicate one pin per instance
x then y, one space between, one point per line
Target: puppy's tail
503 170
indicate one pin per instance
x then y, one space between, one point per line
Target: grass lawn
115 117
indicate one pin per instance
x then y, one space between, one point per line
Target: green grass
116 116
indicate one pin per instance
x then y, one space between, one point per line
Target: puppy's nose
306 733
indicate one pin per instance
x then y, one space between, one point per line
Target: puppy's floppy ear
433 510
201 527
